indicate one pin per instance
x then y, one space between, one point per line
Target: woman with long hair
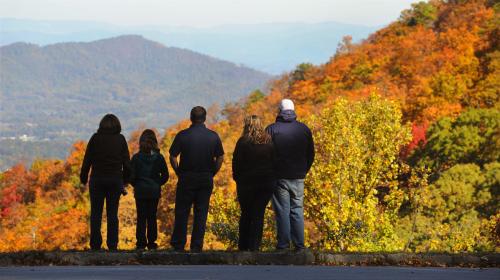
108 157
149 173
253 171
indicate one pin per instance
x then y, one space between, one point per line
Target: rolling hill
60 91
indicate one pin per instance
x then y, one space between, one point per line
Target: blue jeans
288 205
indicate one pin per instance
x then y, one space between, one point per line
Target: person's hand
124 190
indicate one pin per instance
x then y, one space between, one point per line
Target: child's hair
148 142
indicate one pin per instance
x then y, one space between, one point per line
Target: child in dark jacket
149 173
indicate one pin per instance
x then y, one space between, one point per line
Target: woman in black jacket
149 173
107 154
253 171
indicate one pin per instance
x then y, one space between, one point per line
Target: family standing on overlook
268 164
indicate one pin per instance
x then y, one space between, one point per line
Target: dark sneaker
195 250
140 248
177 250
152 246
300 250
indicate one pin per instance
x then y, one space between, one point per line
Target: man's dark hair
198 114
110 124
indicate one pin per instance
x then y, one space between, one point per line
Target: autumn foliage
406 125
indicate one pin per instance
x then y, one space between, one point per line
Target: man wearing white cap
294 156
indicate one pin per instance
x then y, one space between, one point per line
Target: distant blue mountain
58 93
272 48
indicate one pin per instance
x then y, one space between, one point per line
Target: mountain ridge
60 91
270 47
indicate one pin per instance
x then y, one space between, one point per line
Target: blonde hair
254 130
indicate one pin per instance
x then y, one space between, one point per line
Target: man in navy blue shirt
294 146
201 156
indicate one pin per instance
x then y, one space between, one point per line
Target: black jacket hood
286 116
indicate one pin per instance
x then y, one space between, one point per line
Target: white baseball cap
286 104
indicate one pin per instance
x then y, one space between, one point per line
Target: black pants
109 190
253 199
146 217
186 196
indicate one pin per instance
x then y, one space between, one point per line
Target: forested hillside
407 135
60 91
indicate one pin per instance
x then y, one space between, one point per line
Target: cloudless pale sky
205 13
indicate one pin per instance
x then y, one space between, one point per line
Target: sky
207 13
